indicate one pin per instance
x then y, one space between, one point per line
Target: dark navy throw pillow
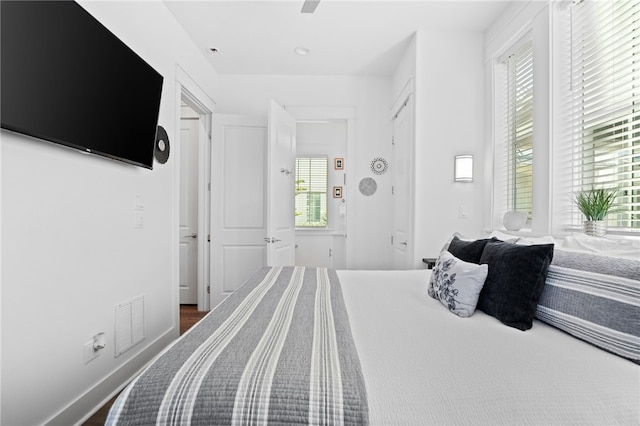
469 251
516 277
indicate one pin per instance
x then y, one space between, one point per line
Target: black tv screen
67 79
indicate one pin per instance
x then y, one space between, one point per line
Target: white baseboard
81 409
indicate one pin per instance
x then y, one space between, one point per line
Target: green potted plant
595 204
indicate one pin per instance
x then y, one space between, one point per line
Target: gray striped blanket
279 350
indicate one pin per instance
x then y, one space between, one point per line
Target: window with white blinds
513 167
520 128
602 147
311 192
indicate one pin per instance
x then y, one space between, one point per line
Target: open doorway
194 111
189 165
316 126
321 193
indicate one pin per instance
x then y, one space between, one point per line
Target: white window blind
311 192
513 157
603 141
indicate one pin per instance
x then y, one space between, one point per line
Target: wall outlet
89 353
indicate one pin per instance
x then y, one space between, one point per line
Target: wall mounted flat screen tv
67 79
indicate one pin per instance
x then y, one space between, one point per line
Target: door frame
187 90
406 102
189 152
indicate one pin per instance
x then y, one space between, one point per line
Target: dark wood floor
189 315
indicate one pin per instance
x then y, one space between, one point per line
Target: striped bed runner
278 350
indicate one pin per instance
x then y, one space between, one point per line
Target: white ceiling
344 37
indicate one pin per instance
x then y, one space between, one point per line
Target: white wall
70 252
250 94
405 70
448 78
449 118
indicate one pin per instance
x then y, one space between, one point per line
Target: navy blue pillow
515 280
469 251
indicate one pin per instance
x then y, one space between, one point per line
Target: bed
372 347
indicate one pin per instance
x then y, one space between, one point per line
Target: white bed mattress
423 365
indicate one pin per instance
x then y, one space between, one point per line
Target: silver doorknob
404 243
194 235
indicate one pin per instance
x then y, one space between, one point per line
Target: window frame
323 222
503 153
519 141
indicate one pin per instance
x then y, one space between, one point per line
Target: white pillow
457 284
603 246
523 241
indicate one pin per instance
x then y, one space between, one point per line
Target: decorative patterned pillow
468 250
457 284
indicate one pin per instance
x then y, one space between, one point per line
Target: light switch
138 220
462 211
139 204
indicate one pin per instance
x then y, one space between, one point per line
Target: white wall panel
244 170
242 261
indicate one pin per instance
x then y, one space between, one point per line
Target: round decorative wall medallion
368 186
162 147
379 166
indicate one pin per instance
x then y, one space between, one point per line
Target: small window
311 192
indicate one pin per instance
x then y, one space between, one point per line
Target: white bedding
423 365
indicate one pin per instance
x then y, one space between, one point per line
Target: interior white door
281 183
238 202
402 171
188 211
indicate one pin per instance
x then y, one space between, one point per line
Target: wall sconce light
463 170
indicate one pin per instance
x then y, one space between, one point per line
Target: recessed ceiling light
301 51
